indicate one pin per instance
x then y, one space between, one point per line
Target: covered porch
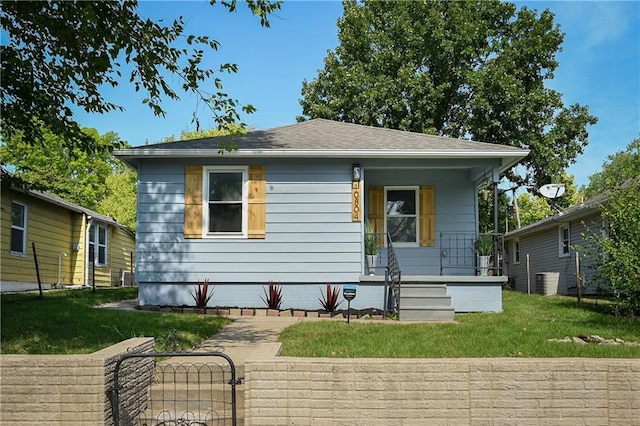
465 282
421 237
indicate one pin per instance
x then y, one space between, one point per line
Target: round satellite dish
552 190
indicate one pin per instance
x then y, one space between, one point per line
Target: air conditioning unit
127 279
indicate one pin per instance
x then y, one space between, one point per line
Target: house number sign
356 210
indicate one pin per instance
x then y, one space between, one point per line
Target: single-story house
290 204
548 256
67 238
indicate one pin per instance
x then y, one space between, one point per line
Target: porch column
496 180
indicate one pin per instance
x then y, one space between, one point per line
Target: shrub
273 299
329 298
201 294
616 254
484 245
370 240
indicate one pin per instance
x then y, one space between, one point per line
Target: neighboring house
66 238
555 245
289 205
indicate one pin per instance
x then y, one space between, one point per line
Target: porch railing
393 277
381 244
459 252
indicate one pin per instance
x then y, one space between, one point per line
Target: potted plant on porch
484 248
371 247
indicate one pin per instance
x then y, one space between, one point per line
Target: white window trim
516 242
416 190
97 245
205 202
561 228
23 229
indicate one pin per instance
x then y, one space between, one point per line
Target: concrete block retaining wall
74 389
65 389
478 391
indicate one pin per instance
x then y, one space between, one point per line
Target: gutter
509 158
309 153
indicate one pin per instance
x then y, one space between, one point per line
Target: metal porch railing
392 274
460 251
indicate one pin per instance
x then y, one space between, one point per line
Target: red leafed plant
201 294
329 299
273 299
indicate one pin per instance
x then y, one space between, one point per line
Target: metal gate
174 389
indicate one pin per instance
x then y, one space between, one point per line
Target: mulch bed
370 313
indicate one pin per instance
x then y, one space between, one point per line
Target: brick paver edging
258 312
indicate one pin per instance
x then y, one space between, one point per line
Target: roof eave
509 158
551 221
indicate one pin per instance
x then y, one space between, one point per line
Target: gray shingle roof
587 207
61 202
327 135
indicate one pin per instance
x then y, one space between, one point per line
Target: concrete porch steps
425 302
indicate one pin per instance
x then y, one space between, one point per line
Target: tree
120 201
532 208
73 174
616 254
472 69
61 53
616 170
232 129
95 180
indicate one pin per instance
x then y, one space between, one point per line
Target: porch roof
320 138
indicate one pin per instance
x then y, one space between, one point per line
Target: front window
226 201
18 228
98 244
401 215
564 241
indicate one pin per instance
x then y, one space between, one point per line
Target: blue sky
599 67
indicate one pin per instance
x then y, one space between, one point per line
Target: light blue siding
294 295
310 236
472 297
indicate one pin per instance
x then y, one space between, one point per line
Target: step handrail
393 276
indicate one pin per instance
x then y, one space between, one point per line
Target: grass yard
521 330
67 322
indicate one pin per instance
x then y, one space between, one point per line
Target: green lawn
521 330
67 322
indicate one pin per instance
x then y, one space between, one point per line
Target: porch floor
439 279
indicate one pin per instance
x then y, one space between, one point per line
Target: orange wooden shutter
193 202
257 201
427 216
376 211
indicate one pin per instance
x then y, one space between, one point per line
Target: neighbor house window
564 241
516 251
225 201
18 228
98 244
401 215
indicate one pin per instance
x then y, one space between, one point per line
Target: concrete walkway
243 336
239 339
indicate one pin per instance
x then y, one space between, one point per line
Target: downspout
86 251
